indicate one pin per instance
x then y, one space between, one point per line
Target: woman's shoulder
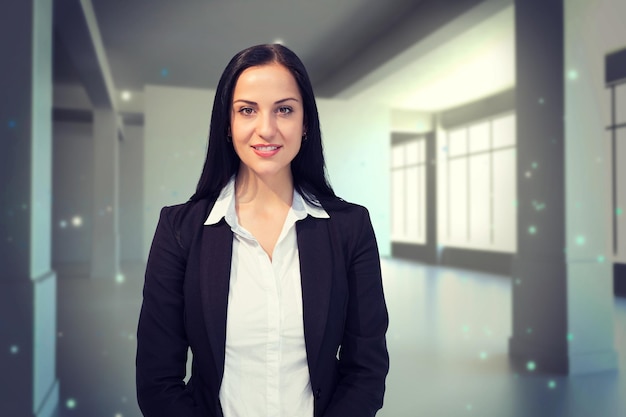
350 223
344 211
187 218
189 212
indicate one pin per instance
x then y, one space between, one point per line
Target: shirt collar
224 207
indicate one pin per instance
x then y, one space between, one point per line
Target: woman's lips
266 150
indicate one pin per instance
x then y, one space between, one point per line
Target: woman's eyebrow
286 99
254 103
245 101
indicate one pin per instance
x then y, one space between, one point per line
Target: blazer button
318 394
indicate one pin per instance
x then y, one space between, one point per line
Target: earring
304 137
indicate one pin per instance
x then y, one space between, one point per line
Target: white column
27 283
105 259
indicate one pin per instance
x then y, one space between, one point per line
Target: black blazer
185 303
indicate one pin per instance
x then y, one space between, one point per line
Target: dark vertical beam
540 319
431 197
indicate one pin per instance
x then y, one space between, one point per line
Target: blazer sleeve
363 357
161 338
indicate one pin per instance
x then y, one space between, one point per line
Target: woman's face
267 120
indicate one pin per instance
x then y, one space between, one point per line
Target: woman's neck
256 191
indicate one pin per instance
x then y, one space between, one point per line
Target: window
617 135
408 191
477 185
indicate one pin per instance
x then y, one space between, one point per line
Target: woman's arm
161 338
363 358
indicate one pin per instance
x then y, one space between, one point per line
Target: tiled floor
447 339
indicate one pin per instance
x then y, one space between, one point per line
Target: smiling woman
271 280
267 123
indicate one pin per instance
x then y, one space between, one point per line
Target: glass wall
477 185
408 190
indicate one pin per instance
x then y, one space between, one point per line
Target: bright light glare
77 221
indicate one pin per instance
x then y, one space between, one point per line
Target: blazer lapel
316 260
216 254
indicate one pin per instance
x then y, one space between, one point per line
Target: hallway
447 340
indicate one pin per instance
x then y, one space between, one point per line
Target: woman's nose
266 127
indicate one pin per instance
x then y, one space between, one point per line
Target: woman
271 280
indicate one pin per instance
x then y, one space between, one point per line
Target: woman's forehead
266 81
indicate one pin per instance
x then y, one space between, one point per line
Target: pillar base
28 304
531 358
619 279
50 405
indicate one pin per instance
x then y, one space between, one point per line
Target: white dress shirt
265 370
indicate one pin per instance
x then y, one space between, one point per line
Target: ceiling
406 45
477 63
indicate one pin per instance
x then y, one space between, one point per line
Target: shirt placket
273 333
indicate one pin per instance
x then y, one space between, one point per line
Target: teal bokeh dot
70 403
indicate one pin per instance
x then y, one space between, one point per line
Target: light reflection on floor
447 339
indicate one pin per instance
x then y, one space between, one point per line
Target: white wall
176 126
356 137
356 144
411 121
593 29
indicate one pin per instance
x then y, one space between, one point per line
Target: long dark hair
307 168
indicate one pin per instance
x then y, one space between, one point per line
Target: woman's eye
246 111
285 110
